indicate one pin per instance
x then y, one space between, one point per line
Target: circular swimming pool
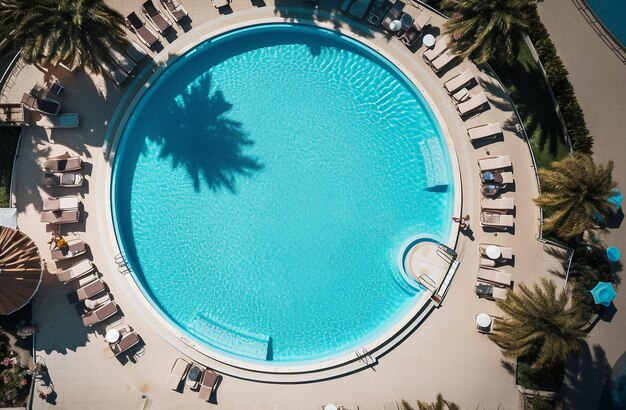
264 184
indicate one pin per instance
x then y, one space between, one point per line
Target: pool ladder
122 265
364 355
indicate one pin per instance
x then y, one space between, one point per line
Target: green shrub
13 377
546 378
563 90
538 403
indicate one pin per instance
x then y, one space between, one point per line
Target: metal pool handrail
600 29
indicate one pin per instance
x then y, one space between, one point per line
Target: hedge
557 74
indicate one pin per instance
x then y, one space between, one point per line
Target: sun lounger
154 15
94 303
114 72
176 10
62 163
505 253
178 373
499 204
135 51
143 32
359 8
62 203
410 36
207 383
123 60
458 81
443 60
65 180
84 280
90 290
493 163
59 121
489 291
218 4
345 5
77 270
440 46
98 315
41 104
75 247
474 103
490 130
495 276
487 263
60 217
421 20
128 340
496 220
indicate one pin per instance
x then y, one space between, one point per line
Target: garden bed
9 137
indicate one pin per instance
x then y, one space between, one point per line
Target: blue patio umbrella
616 199
603 293
613 253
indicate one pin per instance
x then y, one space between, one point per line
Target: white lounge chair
496 220
422 19
218 4
154 15
440 46
114 73
474 103
90 290
490 130
62 203
495 276
489 291
499 204
138 26
135 51
207 384
176 10
60 217
493 163
59 121
65 179
62 163
76 271
123 60
505 253
458 81
443 60
75 247
178 373
98 315
94 303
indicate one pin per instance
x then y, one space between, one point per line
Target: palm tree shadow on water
200 136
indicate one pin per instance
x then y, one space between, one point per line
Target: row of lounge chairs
59 172
125 62
404 26
205 380
159 22
92 292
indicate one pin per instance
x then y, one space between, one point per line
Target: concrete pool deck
445 354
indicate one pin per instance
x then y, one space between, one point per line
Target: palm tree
77 33
539 324
437 405
488 29
576 190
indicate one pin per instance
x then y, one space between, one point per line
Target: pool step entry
254 346
436 174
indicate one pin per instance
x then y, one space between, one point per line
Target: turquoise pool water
613 16
264 184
